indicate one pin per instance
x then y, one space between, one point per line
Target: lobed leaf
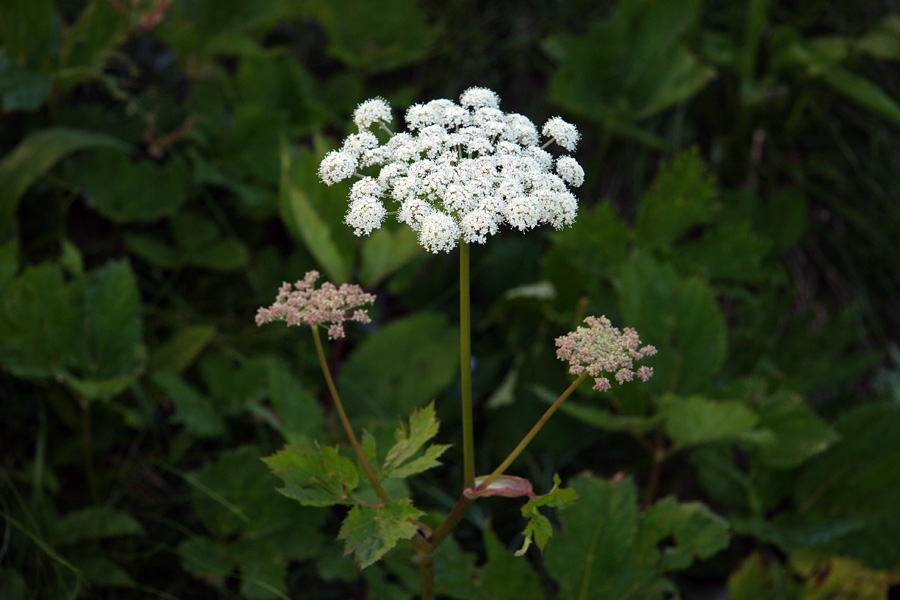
314 477
371 531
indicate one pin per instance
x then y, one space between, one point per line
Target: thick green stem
465 366
426 575
463 504
376 484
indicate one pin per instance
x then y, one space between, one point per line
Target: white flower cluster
461 171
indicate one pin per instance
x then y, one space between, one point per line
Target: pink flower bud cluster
601 348
305 305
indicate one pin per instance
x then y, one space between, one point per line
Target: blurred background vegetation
740 209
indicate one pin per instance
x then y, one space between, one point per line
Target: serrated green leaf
206 559
103 572
380 37
400 367
35 155
539 528
681 197
698 420
798 433
96 523
38 319
371 531
110 347
505 577
314 477
192 409
608 550
840 578
301 416
181 350
697 532
761 577
427 461
124 190
423 425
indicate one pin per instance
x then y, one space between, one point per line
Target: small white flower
478 97
477 225
439 232
357 143
569 169
337 166
365 214
413 211
372 111
523 212
366 186
565 134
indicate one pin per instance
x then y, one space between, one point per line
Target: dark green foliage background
740 210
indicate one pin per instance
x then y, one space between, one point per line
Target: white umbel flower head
565 134
460 173
372 111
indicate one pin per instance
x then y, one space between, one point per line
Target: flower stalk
465 367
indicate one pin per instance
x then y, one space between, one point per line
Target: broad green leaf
846 496
314 477
38 317
304 222
124 190
423 425
102 572
301 417
379 37
206 559
608 550
96 523
384 251
110 339
236 386
371 531
798 433
592 556
234 496
36 154
192 409
596 242
93 37
21 88
698 533
181 350
698 420
505 577
31 31
762 577
680 317
198 243
633 65
400 367
682 197
839 578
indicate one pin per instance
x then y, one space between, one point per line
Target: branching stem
376 484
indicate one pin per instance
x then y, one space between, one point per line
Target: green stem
463 504
534 431
376 484
465 367
426 575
